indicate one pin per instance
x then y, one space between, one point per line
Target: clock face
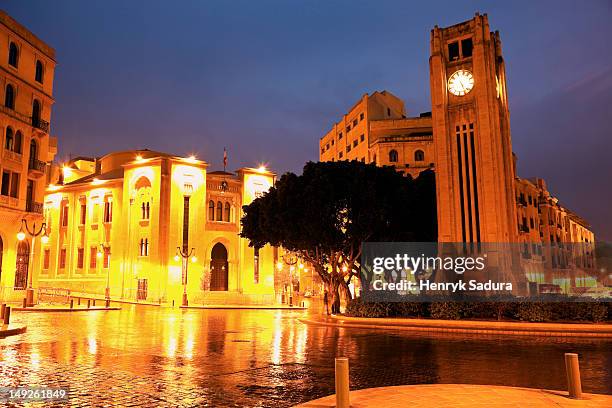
461 82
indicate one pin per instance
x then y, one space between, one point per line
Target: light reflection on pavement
155 356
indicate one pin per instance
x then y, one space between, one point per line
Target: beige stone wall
31 166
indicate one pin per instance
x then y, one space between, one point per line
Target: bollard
71 303
79 301
88 303
342 383
107 303
2 310
572 370
24 303
7 315
94 302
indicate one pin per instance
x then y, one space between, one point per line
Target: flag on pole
224 159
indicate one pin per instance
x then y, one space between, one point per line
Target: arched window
36 113
219 211
419 155
211 210
9 97
17 143
39 72
9 142
227 212
13 55
393 156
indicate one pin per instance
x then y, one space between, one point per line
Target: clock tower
471 130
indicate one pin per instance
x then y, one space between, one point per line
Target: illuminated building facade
466 140
134 221
27 67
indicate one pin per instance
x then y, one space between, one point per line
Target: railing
37 165
40 124
34 207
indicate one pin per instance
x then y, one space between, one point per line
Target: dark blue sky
268 78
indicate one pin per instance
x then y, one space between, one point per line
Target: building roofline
26 35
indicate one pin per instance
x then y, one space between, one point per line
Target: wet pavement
155 356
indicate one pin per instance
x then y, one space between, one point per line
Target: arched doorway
22 264
218 267
33 151
36 113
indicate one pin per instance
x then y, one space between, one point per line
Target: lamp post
21 235
104 250
181 253
290 259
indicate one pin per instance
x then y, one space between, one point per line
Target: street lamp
290 259
105 250
181 253
21 235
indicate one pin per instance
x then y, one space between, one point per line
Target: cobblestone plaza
156 356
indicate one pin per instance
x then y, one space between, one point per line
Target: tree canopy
326 213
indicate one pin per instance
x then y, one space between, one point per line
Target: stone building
27 67
129 223
466 139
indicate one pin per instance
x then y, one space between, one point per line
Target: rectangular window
348 148
355 143
453 51
466 47
361 138
108 210
339 135
64 215
388 111
83 217
95 216
62 258
6 182
361 116
46 258
355 122
93 256
340 155
14 185
348 129
107 255
256 266
80 258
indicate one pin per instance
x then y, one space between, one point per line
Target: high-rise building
27 66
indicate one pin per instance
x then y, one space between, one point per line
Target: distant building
27 67
121 220
466 140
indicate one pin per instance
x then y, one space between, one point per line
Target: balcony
34 207
40 124
37 167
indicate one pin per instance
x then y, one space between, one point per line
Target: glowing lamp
99 254
301 266
44 239
344 268
194 259
21 235
261 168
176 258
279 266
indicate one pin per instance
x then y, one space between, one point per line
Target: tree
325 215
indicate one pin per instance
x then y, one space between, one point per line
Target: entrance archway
218 268
22 264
